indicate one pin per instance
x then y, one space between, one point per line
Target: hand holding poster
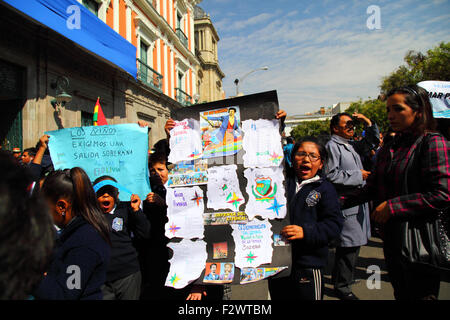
119 151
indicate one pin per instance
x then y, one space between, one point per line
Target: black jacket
315 208
123 222
78 248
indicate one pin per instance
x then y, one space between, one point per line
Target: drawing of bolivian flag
99 117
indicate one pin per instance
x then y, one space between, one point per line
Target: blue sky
320 52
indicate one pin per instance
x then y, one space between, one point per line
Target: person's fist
135 202
170 124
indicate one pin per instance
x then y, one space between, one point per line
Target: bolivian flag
99 117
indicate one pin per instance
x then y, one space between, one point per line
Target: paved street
372 254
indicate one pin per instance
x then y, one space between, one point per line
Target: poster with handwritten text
119 151
253 243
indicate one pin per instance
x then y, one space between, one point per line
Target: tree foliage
315 128
434 65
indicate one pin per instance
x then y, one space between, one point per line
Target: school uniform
314 206
123 278
78 266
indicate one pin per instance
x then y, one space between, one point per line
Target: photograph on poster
188 173
223 218
279 240
221 132
249 275
219 272
220 250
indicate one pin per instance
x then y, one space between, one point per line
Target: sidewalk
370 255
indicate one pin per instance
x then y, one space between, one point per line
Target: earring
63 214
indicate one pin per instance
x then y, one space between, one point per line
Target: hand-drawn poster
262 143
185 141
266 193
185 213
119 151
253 243
233 241
223 188
187 263
188 173
220 132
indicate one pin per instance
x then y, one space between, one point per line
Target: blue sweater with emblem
315 208
124 224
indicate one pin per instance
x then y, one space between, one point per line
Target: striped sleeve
434 180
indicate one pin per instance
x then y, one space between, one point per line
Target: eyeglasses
313 157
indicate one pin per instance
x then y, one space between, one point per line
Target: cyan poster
119 151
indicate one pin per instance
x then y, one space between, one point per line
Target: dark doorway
12 100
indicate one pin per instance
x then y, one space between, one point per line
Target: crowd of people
65 237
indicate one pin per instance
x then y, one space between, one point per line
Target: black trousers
127 288
344 268
302 284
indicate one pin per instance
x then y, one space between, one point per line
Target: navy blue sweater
79 247
315 208
124 257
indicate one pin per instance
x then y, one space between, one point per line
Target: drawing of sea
221 132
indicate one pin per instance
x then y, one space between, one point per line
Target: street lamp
236 81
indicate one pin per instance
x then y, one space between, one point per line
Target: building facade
209 74
156 38
321 114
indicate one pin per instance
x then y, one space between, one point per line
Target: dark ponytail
75 186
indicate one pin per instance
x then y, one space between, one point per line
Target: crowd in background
66 237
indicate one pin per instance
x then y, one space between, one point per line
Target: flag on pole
99 117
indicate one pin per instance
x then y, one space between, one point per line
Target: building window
144 52
201 40
180 81
87 119
179 18
92 6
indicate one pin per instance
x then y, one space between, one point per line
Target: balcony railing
183 97
149 76
182 36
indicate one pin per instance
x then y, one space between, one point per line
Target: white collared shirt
113 209
299 185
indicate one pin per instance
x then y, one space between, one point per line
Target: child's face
161 169
106 199
305 166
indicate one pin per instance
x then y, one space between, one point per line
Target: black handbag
425 237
